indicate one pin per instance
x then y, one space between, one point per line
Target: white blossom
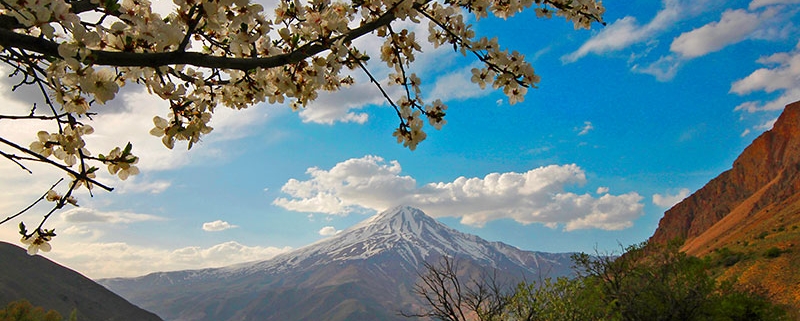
37 242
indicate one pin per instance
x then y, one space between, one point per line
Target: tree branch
9 38
59 166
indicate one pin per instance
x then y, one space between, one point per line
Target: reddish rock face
766 173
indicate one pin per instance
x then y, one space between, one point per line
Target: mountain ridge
365 271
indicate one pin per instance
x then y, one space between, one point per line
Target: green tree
23 310
560 299
648 282
658 282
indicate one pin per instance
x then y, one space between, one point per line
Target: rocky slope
54 287
747 220
363 273
765 174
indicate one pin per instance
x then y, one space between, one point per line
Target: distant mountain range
748 217
54 287
366 272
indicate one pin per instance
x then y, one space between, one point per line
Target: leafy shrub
773 252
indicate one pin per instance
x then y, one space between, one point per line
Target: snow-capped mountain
364 272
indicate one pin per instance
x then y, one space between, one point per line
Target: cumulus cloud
668 200
536 196
366 182
328 231
132 260
734 26
89 215
781 75
218 225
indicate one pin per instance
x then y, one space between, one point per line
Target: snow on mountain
364 272
402 230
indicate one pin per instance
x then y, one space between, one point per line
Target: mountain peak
398 219
366 272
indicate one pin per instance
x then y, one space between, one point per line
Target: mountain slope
366 272
747 219
55 287
766 174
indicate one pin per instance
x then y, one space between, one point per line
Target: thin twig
32 205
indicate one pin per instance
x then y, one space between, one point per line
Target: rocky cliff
747 220
765 174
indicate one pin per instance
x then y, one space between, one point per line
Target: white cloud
89 215
602 190
755 4
328 231
457 85
218 225
342 106
137 185
772 23
587 127
92 259
781 75
784 74
733 26
366 182
536 196
668 200
664 69
627 31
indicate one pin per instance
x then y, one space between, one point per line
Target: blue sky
627 120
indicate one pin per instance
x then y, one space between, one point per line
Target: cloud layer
89 215
536 196
131 260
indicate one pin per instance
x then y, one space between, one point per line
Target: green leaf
127 149
22 229
111 5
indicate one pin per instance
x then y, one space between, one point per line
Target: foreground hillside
747 220
366 272
52 286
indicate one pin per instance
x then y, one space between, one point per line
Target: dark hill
54 287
